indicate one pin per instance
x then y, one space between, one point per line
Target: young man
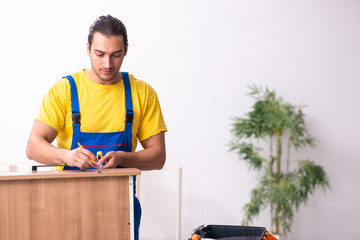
101 109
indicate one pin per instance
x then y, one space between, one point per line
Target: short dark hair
109 26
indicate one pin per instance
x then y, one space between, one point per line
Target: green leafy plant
283 183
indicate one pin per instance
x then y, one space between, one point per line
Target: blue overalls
106 141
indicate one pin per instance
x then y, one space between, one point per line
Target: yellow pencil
81 147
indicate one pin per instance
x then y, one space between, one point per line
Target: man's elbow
29 153
30 150
162 160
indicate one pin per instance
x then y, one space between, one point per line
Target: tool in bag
228 232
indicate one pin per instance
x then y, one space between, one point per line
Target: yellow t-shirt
102 109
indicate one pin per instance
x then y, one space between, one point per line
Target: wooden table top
69 174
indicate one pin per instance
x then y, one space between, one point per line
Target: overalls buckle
75 118
129 116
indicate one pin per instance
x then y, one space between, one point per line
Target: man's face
106 56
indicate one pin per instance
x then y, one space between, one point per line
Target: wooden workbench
67 205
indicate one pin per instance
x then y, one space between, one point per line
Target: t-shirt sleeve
152 121
54 106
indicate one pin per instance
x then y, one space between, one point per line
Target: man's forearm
44 152
147 159
151 158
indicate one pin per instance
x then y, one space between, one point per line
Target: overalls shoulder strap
128 102
75 110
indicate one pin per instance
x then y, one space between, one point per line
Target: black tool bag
226 232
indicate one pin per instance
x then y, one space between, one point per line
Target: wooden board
68 208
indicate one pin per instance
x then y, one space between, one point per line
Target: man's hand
40 149
152 157
112 159
81 158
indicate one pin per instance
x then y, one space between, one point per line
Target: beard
106 77
106 74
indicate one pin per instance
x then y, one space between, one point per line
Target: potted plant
284 183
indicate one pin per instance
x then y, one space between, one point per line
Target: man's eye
117 55
99 55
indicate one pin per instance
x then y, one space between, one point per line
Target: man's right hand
81 158
40 149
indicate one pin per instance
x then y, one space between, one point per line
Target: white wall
200 56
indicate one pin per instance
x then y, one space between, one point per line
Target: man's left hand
112 159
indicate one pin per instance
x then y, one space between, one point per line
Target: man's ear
126 49
88 48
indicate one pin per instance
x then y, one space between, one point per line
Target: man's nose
107 62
